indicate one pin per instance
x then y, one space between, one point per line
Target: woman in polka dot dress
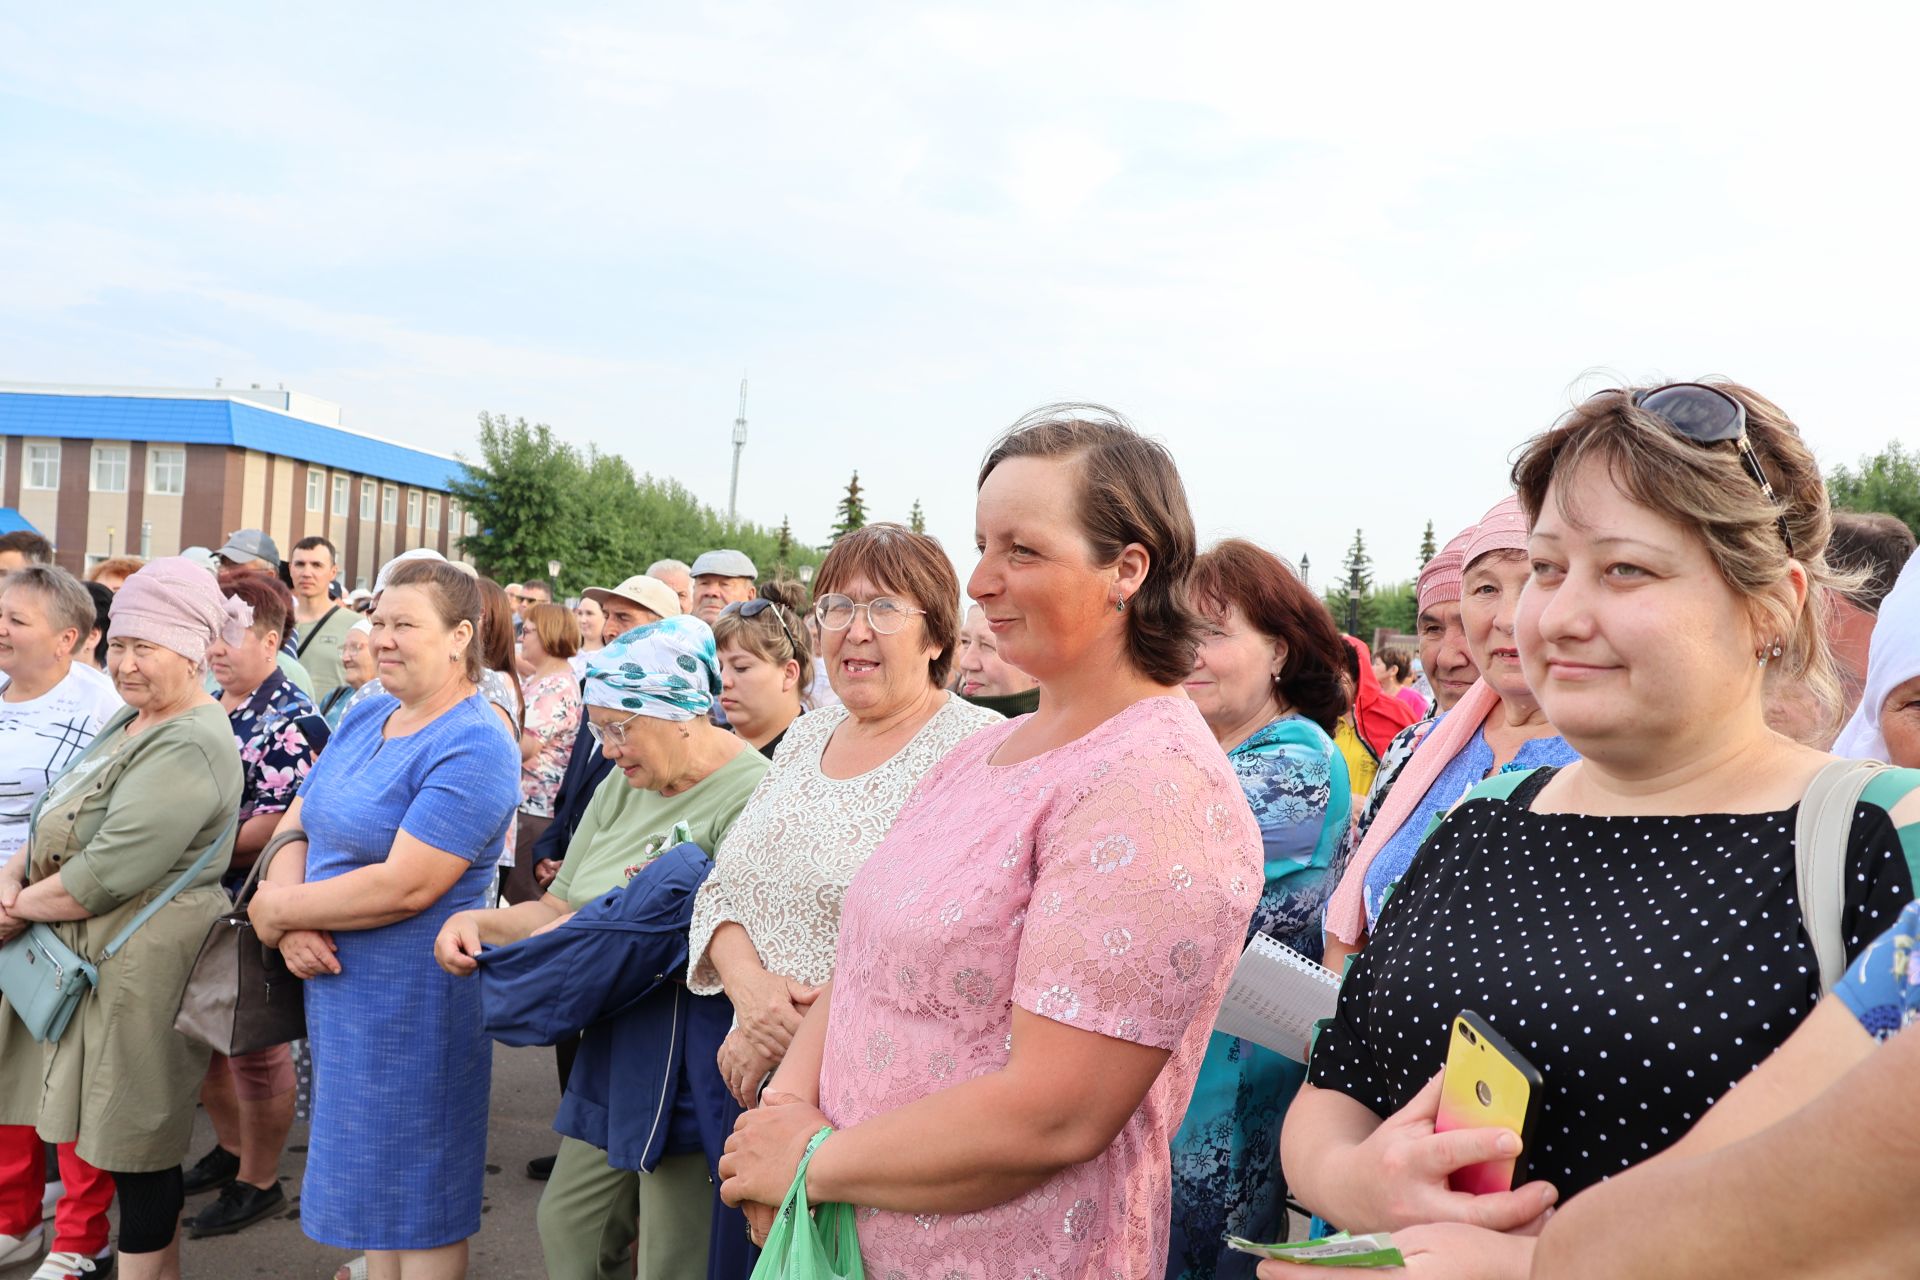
1628 922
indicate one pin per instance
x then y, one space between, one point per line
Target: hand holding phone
1487 1084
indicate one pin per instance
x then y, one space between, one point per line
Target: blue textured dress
401 1066
1226 1155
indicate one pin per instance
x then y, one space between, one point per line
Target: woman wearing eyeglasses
765 664
683 779
767 919
1629 922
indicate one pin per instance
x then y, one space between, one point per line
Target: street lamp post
553 578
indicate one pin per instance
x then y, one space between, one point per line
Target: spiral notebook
1276 996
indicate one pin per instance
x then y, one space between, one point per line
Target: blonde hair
763 636
1706 488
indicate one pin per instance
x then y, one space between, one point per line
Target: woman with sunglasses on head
1628 922
765 664
767 920
681 779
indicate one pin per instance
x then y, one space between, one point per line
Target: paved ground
507 1248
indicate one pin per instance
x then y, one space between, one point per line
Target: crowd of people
956 875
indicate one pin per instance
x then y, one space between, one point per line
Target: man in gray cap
250 549
721 578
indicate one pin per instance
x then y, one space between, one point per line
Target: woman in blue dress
405 816
1267 679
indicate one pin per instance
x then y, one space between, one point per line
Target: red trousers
80 1219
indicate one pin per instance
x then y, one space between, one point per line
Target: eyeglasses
754 608
1706 416
616 733
885 614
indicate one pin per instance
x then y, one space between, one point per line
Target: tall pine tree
1427 548
852 510
916 518
783 545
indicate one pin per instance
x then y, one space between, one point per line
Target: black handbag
241 997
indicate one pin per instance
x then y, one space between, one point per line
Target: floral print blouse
553 716
279 732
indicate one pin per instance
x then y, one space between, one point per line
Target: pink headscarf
1502 529
1440 576
175 603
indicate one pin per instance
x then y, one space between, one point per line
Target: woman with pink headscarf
1496 727
155 790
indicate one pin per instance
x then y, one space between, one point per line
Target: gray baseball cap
725 563
250 544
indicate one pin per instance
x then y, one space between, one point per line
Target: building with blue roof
112 471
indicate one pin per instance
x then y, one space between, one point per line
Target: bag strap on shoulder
1820 839
180 882
1500 786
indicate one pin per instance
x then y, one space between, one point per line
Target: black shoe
540 1168
216 1169
240 1205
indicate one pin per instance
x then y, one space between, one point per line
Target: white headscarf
1893 658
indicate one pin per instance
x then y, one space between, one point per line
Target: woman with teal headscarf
1267 680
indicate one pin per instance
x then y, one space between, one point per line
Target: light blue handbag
44 979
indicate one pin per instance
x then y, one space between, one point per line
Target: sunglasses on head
1707 416
754 608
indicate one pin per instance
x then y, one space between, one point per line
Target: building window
167 472
433 512
366 499
109 468
340 496
473 525
43 466
413 508
389 504
316 490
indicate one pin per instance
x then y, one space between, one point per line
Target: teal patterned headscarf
667 669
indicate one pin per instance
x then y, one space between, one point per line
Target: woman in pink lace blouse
1030 963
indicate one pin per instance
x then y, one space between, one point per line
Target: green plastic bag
822 1244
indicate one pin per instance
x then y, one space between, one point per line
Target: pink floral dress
1106 885
553 716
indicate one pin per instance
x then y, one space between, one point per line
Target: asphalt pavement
525 1094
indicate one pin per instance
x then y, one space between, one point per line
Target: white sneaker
68 1266
20 1248
55 1189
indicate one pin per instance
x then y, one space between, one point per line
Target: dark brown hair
272 603
29 544
456 599
1398 661
1706 489
496 638
1236 573
1129 491
1875 547
899 561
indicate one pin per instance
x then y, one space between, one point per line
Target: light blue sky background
1342 258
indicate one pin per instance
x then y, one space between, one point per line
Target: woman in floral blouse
552 696
1267 680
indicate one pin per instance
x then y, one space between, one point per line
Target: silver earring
1120 605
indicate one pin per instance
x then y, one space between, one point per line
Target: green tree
852 510
783 548
1428 549
522 490
916 518
1347 595
1888 481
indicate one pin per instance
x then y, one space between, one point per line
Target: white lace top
785 865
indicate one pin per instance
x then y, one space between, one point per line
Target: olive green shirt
318 650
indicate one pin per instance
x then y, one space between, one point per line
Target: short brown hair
1278 605
29 544
1875 547
125 566
456 599
1707 489
1130 491
558 629
896 559
1398 661
272 603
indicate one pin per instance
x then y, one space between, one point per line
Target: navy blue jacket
616 971
587 767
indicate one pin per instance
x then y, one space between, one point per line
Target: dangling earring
1120 605
1767 654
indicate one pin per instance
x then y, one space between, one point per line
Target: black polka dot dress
1644 965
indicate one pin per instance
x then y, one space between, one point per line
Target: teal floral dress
1226 1158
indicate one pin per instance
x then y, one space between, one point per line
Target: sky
1343 260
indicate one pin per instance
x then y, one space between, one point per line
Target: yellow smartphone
1488 1085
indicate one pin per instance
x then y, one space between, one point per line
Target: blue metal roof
224 422
12 521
